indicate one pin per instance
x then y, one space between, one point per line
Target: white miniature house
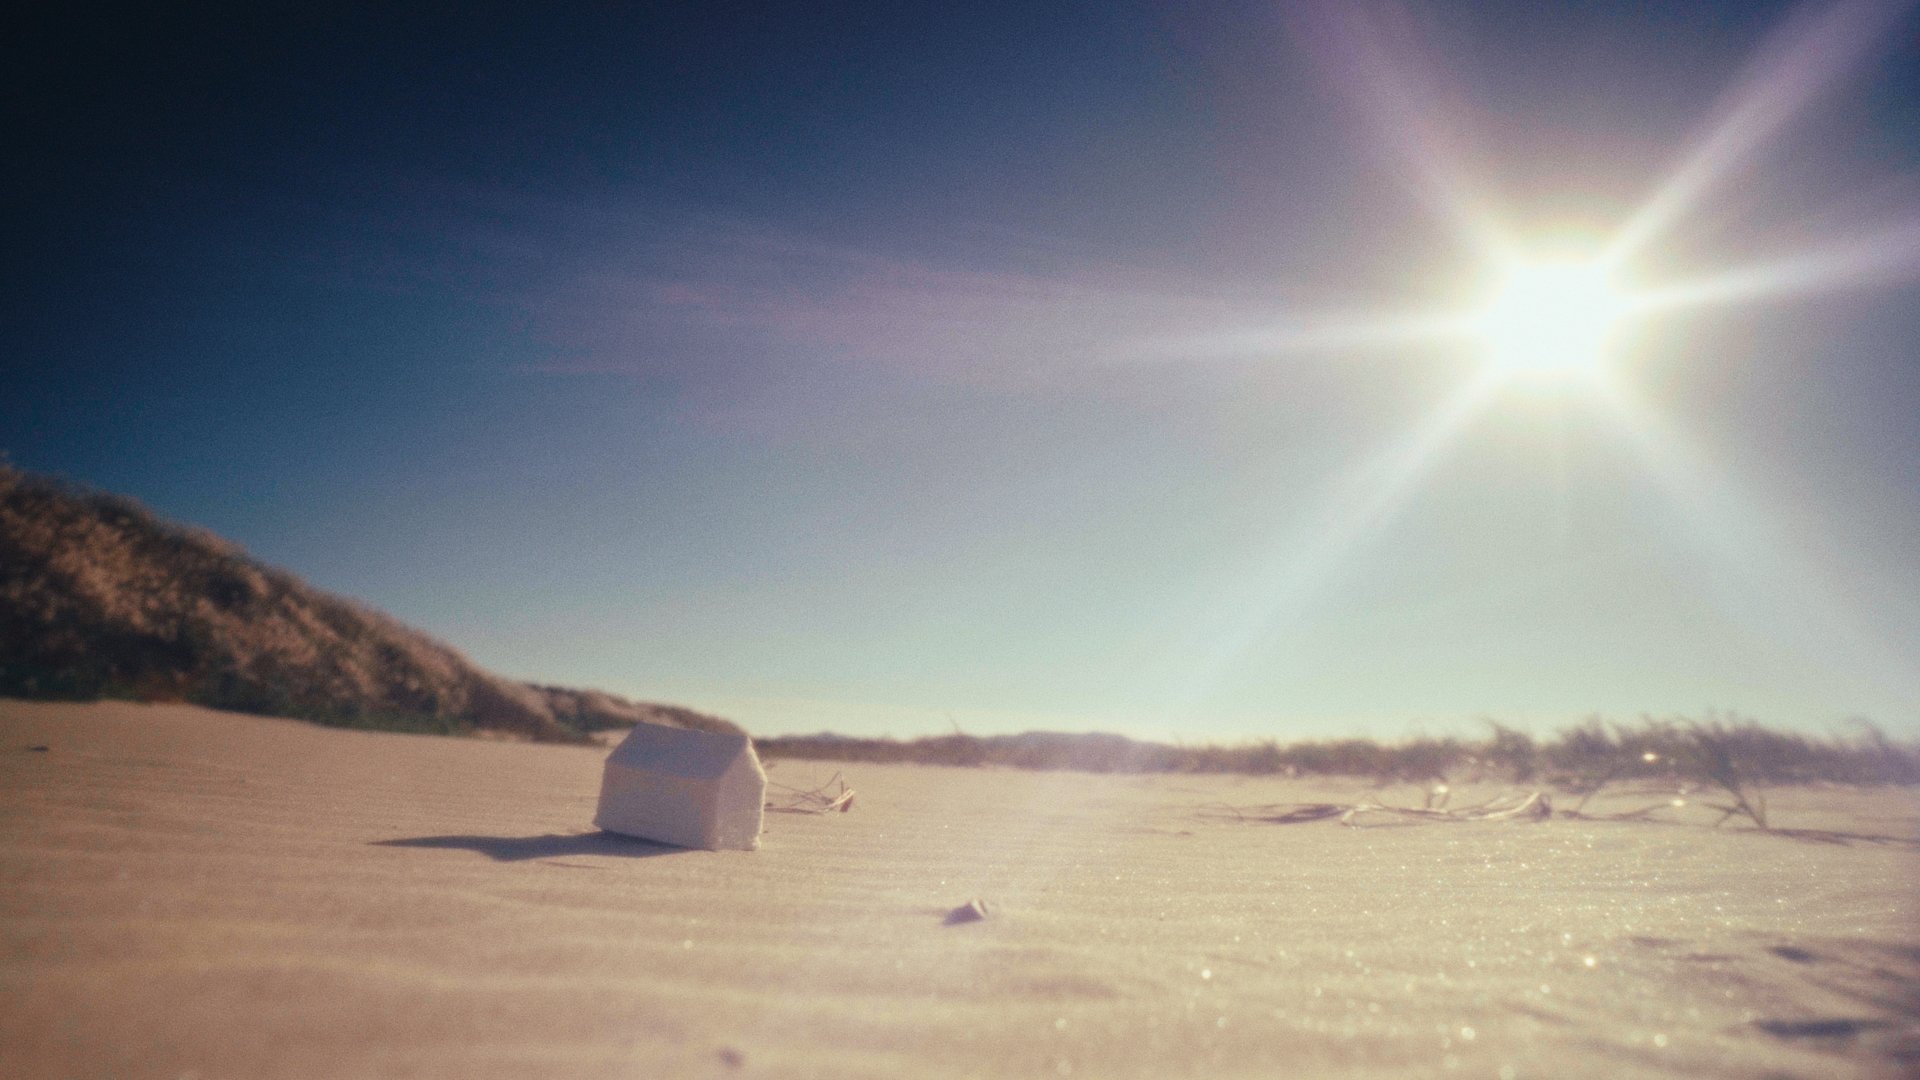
693 789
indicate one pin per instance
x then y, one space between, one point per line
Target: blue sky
874 369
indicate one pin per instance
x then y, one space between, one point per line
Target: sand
198 894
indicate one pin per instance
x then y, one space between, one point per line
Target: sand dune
200 894
104 598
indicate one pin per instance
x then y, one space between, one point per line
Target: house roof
696 755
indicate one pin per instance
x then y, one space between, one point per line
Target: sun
1550 319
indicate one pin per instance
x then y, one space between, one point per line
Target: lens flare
1558 317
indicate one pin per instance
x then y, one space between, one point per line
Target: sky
1069 366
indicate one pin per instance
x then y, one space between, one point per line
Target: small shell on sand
971 911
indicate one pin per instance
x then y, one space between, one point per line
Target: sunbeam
1813 49
1891 257
1372 49
1326 333
1754 575
1359 507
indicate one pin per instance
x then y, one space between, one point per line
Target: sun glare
1550 320
1564 311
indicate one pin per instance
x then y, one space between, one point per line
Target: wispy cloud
741 296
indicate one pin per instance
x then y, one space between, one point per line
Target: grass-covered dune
100 598
1582 757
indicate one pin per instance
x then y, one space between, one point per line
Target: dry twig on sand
1530 806
1512 806
1696 754
828 797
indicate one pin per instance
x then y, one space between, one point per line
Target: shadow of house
552 845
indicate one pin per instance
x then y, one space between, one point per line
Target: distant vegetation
1723 753
99 598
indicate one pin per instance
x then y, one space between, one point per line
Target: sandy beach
208 895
